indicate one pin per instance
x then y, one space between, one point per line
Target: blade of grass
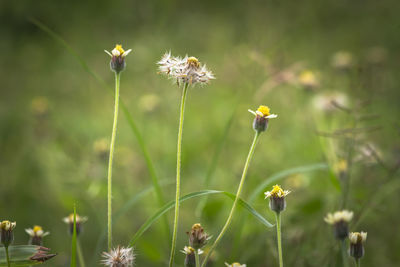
146 225
73 245
214 161
128 116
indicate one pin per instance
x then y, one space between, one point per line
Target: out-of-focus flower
40 106
340 221
119 257
308 79
197 237
149 102
342 60
376 55
36 235
79 221
329 101
190 259
276 197
356 244
118 55
260 123
187 70
7 234
235 264
101 147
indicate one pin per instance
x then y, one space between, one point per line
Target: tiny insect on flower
262 116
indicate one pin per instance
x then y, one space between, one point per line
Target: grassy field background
56 119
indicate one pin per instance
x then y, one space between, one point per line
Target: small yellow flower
264 112
339 216
308 79
356 244
276 192
36 231
235 264
118 51
7 225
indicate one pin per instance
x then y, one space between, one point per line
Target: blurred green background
56 119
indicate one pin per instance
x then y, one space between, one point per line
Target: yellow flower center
37 228
196 226
277 191
264 110
194 62
119 48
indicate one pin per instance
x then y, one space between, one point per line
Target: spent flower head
356 244
36 235
187 70
79 221
276 197
197 237
119 257
340 221
260 123
7 235
118 55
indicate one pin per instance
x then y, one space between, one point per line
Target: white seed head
339 216
184 70
119 257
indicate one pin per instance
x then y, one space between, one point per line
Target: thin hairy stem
110 161
178 174
358 262
7 256
197 258
344 254
80 254
279 237
229 220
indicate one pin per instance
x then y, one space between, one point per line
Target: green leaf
73 246
283 174
171 205
22 255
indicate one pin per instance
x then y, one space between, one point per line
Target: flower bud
79 221
276 197
356 244
340 221
118 54
197 237
190 259
260 123
7 235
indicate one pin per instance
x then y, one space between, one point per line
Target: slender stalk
7 256
80 254
197 258
178 174
110 161
358 262
279 237
344 254
229 220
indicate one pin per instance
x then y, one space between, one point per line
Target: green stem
358 262
279 237
110 161
197 258
344 254
80 254
178 174
229 220
7 256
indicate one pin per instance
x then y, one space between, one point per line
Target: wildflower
40 106
235 264
119 257
36 233
101 148
342 60
276 197
149 102
197 237
261 120
187 70
340 221
376 55
190 259
70 221
118 55
7 235
356 244
308 80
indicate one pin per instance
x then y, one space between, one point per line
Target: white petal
252 112
126 52
271 116
115 52
108 53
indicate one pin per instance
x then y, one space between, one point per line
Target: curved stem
178 174
229 220
197 258
7 256
110 161
80 254
344 254
279 237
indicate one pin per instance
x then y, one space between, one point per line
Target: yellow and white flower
36 231
276 192
118 51
235 264
339 216
357 237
